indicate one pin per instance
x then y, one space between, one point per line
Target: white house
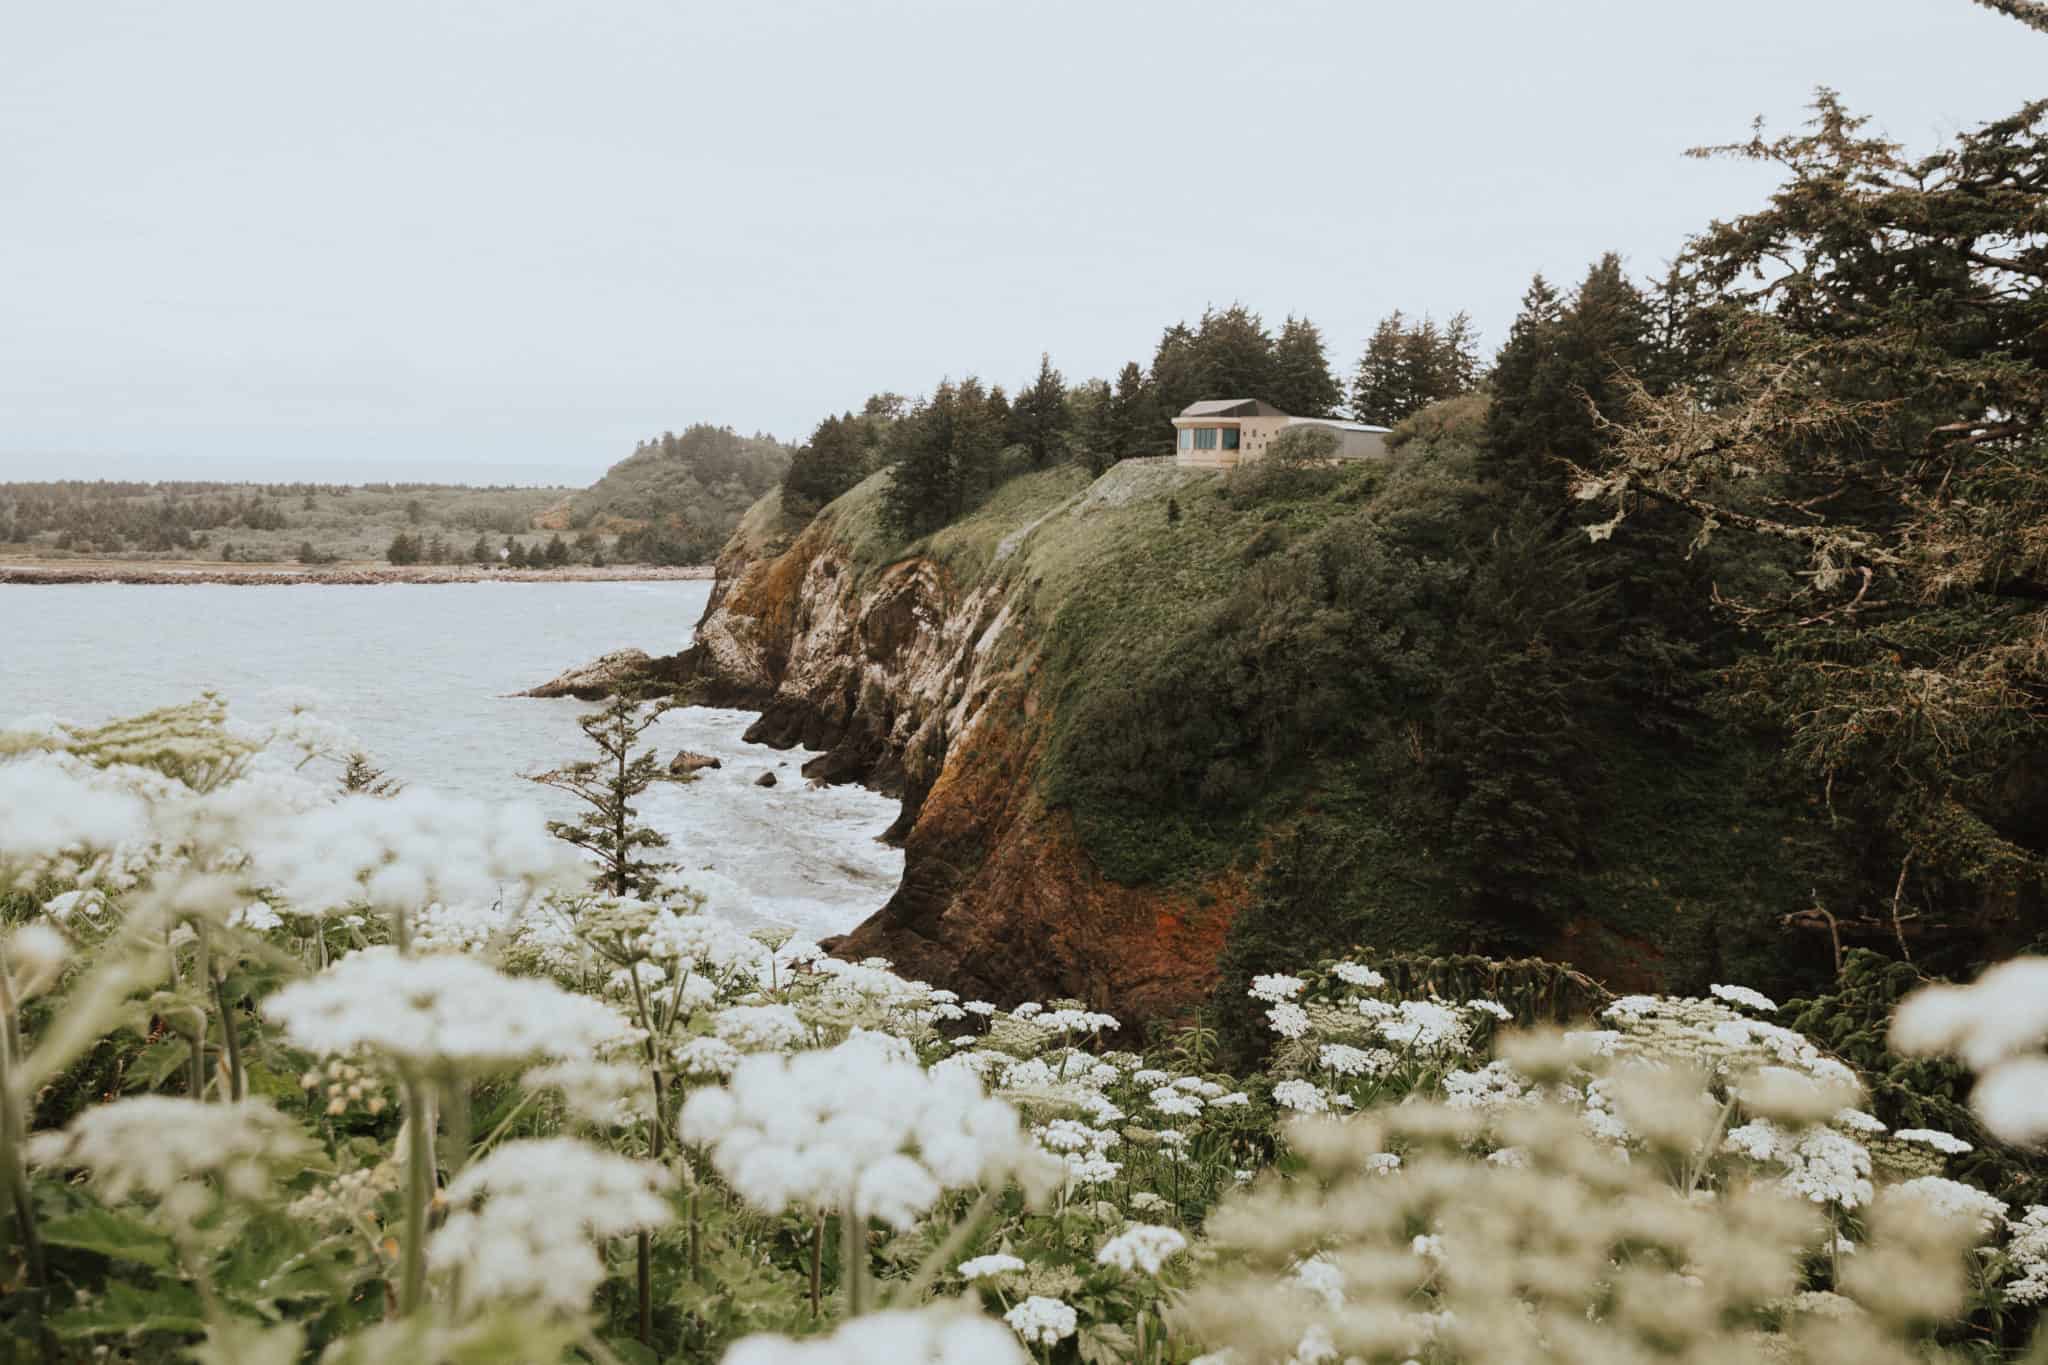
1221 432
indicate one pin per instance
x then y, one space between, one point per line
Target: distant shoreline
46 572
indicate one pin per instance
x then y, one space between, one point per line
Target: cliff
922 675
1160 730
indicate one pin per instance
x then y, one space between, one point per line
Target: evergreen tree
1174 375
1406 367
1093 436
1135 418
610 830
516 558
1040 417
942 456
1563 363
403 549
1377 395
1302 382
1532 410
1233 355
481 551
557 553
307 554
832 461
361 777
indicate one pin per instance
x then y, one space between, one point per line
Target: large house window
1187 439
1205 438
1230 438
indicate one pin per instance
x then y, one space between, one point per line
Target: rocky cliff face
922 679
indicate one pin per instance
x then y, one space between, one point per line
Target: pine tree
1302 382
1175 377
557 553
403 549
1040 417
1377 395
610 831
1561 363
832 461
1233 355
1532 410
361 777
481 551
1137 423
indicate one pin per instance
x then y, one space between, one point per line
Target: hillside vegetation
676 499
260 523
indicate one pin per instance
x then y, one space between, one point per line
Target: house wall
1254 433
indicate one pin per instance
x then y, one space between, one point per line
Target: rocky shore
271 575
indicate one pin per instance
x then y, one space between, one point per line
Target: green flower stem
817 1267
853 1252
947 1252
13 1126
229 1036
419 1193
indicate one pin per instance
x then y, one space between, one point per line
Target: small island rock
766 779
599 678
688 761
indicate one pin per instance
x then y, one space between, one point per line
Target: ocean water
419 673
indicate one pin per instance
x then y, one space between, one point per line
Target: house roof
1337 422
1231 407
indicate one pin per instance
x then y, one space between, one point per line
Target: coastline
48 572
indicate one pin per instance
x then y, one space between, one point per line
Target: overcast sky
503 238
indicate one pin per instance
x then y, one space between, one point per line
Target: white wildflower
440 1009
933 1336
1947 1143
1040 1321
1357 974
523 1220
1142 1246
1747 998
987 1267
1276 988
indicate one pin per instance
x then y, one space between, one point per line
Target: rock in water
599 678
766 779
688 761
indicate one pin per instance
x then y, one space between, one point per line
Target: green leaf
631 1351
113 1235
239 1342
1104 1343
126 1310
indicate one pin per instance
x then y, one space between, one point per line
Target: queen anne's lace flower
1953 1199
608 1093
1357 974
1275 988
987 1267
1142 1246
2028 1251
1304 1097
439 1010
1947 1143
897 1337
1747 998
1041 1321
165 1148
524 1218
858 1121
760 1028
1288 1020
